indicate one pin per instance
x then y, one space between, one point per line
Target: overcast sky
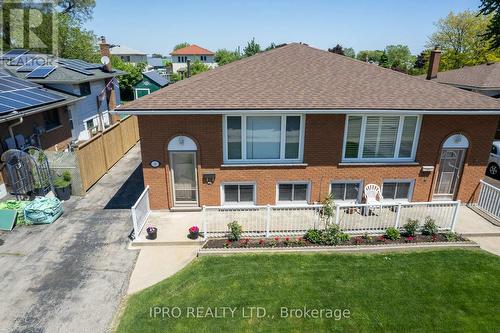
156 26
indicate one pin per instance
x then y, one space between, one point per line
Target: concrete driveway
70 276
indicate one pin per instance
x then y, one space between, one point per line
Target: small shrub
235 231
343 237
411 227
313 235
227 244
451 236
430 227
330 235
392 233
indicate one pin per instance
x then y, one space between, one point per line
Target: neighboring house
192 53
128 54
31 115
483 79
293 124
80 79
158 64
151 82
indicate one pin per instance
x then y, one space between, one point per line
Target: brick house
293 124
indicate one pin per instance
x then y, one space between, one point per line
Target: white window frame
247 203
410 190
350 181
136 90
293 202
282 159
398 139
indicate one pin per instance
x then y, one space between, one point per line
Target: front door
450 169
184 178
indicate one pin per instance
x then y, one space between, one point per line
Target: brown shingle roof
297 76
480 76
192 50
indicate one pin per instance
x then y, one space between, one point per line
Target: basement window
238 193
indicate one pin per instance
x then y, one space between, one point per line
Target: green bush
343 237
313 235
63 180
392 233
430 227
451 236
235 231
411 227
330 235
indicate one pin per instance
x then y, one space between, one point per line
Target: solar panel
41 72
21 60
10 83
5 109
31 65
12 54
79 70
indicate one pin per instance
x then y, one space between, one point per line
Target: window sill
395 163
264 165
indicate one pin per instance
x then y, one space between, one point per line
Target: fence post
134 222
398 216
268 219
455 216
204 217
337 214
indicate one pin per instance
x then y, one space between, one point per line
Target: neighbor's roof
156 77
125 50
64 75
192 50
156 62
486 76
299 77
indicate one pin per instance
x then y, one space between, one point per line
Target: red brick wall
322 153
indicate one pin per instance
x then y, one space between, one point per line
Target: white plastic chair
373 196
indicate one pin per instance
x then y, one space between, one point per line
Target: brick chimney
434 59
105 51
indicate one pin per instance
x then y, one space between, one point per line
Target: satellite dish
105 60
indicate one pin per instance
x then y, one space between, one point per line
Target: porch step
146 242
185 209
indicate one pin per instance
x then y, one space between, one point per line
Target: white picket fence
140 211
489 200
267 221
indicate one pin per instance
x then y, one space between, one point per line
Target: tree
76 42
128 81
81 10
251 48
349 52
337 49
492 34
384 60
198 67
369 55
399 56
156 55
461 38
181 45
224 56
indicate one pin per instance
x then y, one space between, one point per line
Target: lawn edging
340 248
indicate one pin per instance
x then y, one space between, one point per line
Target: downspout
11 132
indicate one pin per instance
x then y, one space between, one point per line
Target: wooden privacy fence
97 155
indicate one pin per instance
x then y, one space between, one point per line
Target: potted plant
152 232
194 232
62 186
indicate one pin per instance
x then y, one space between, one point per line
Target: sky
155 26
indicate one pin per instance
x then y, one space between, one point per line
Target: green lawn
448 290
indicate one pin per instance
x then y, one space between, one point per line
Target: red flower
287 239
409 238
194 229
276 238
261 241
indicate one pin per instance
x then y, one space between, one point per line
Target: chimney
110 91
433 69
188 67
104 47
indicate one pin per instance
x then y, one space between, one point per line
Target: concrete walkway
471 224
70 276
156 263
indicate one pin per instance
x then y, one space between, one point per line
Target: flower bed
291 242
